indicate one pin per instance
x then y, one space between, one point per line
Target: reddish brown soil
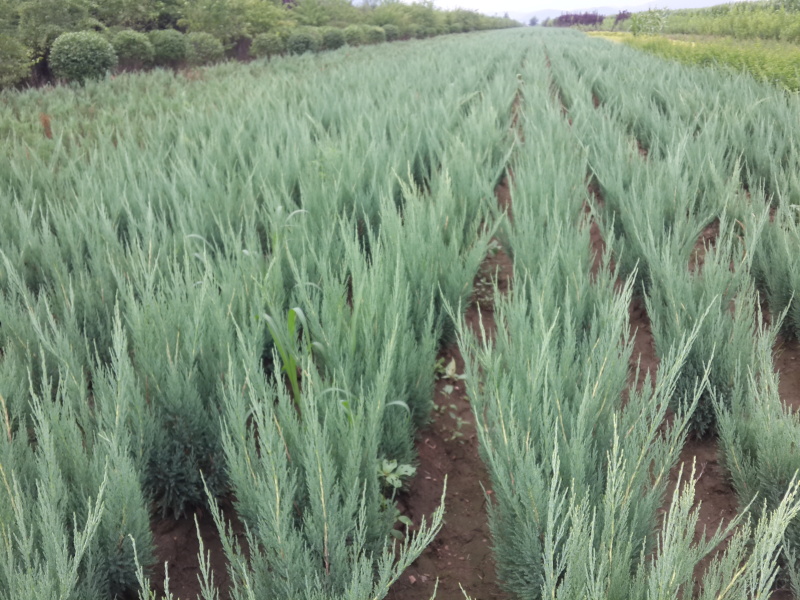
461 555
787 364
44 119
643 152
706 240
596 241
177 545
503 194
644 346
598 245
499 265
713 491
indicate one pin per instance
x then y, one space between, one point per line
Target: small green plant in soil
392 474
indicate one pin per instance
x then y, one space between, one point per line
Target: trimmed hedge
414 31
374 35
354 35
133 48
81 55
332 38
203 48
392 32
267 44
303 40
169 47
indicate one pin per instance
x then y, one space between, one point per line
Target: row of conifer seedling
237 293
581 452
191 313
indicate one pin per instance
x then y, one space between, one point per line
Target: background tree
30 27
135 14
650 22
42 21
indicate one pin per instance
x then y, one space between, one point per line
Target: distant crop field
509 314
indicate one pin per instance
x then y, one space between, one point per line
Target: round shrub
15 61
81 55
267 44
375 35
429 31
303 40
134 50
354 35
203 48
332 38
415 31
169 47
392 32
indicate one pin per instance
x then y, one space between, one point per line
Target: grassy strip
772 61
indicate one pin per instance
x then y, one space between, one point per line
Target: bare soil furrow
705 240
177 547
787 364
461 556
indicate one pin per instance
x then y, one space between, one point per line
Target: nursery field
497 315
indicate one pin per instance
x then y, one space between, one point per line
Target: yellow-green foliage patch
776 62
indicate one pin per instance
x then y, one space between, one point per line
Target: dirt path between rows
787 365
177 546
461 555
459 564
